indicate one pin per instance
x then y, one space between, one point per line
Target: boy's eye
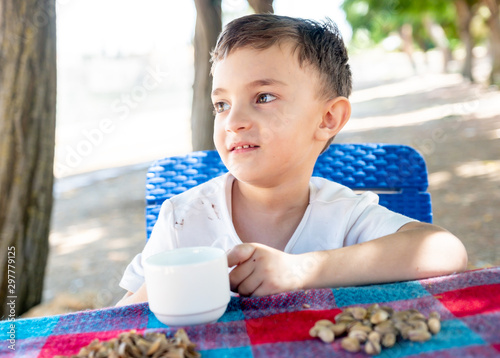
265 98
220 107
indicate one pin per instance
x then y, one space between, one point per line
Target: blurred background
425 74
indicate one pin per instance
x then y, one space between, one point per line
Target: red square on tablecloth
286 327
471 300
68 344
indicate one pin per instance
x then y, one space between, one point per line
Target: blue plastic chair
397 173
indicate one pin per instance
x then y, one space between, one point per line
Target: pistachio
434 325
419 325
344 317
400 315
154 347
388 340
374 336
326 335
358 313
350 344
372 348
358 326
416 335
379 316
405 331
324 323
386 327
388 309
339 328
416 316
373 307
313 332
361 336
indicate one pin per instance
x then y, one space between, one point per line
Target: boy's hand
261 270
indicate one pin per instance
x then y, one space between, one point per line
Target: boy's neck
269 215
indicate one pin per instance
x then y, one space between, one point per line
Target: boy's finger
239 254
240 274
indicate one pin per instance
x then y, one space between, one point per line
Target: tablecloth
278 325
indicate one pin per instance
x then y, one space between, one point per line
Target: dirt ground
98 217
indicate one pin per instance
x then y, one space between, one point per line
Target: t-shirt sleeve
162 238
369 221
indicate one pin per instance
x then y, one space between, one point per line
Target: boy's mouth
242 146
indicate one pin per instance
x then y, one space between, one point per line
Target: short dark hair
316 43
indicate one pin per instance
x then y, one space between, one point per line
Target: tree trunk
438 36
494 24
262 6
27 137
465 14
406 34
207 29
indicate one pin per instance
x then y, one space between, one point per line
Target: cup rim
148 260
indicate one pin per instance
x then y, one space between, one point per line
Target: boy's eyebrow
256 83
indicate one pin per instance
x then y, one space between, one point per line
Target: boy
280 88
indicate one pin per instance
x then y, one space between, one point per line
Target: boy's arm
130 298
415 251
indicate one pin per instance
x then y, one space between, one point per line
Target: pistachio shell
434 325
326 335
350 344
361 336
388 340
416 335
372 348
379 316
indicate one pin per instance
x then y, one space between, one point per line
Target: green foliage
379 19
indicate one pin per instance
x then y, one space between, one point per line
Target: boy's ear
337 113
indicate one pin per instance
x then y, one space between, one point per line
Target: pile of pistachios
134 345
376 327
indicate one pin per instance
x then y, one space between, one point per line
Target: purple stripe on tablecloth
442 284
477 351
287 302
219 335
29 347
310 348
130 317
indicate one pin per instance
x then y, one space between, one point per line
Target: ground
98 217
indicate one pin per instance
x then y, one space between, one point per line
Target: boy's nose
238 119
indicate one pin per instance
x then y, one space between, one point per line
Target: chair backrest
397 173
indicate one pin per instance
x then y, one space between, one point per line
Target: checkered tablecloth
278 325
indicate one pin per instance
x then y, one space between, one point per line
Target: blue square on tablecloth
238 352
26 329
347 296
233 311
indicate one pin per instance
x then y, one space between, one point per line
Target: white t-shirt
335 217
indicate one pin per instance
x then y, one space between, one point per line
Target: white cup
188 286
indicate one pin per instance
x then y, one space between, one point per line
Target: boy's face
267 115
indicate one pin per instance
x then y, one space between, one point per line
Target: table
278 325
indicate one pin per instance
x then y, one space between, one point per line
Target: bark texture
465 13
494 25
208 27
27 137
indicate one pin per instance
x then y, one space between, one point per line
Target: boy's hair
318 44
